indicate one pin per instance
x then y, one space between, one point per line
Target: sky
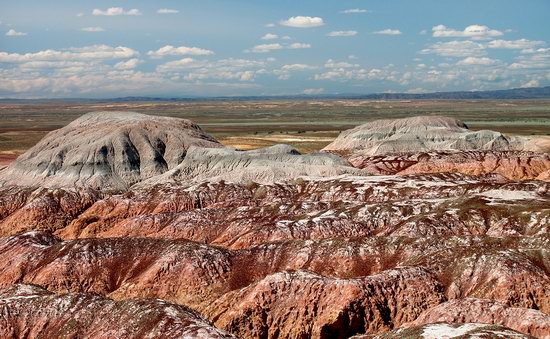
105 49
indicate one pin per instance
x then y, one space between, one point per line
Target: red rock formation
23 209
528 321
450 330
300 304
514 165
239 216
31 312
374 284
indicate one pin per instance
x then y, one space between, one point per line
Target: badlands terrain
126 225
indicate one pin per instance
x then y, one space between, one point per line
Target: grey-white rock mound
427 133
264 166
107 150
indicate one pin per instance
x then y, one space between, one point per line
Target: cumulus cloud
342 33
299 45
515 44
225 69
472 31
388 31
344 71
313 91
284 72
182 50
270 36
333 64
128 64
167 11
297 67
116 11
463 48
354 11
95 52
265 48
477 61
185 63
532 59
531 83
92 29
303 21
13 32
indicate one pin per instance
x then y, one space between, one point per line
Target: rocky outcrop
265 166
527 321
31 312
240 216
26 208
332 288
423 134
450 330
300 304
431 144
107 151
514 165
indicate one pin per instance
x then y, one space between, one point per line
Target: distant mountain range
514 93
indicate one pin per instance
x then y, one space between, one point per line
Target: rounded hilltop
424 134
107 150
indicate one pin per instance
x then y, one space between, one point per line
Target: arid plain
308 125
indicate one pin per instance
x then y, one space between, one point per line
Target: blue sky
210 48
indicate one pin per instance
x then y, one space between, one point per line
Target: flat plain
308 125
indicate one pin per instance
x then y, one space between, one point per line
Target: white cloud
532 59
515 44
477 61
226 69
269 25
344 71
303 22
265 48
182 50
299 45
80 14
95 52
463 48
185 63
92 29
472 31
531 83
13 32
342 33
313 91
115 11
297 67
333 64
354 11
167 11
388 31
284 72
129 64
270 36
423 32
